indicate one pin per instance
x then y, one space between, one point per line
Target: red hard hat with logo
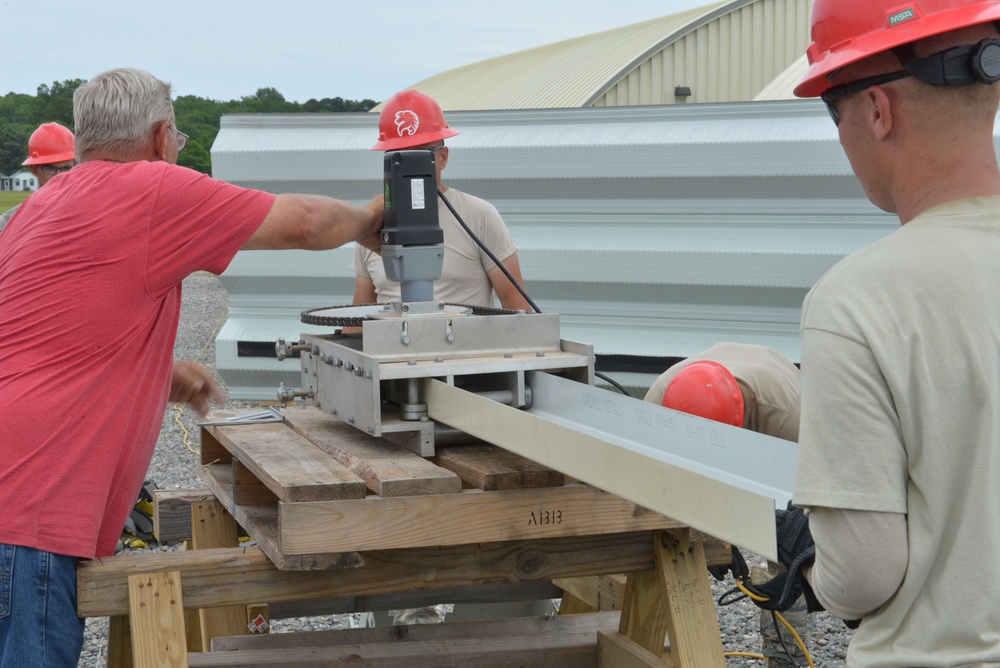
846 31
706 389
50 143
410 119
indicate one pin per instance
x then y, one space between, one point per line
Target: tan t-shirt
901 415
463 274
770 385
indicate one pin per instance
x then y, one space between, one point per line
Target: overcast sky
226 49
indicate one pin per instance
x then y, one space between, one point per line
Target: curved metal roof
571 73
783 85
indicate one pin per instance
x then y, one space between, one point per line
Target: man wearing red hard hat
50 152
413 120
756 388
899 458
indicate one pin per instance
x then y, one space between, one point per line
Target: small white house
23 180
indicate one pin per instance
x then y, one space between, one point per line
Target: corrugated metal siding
652 231
727 55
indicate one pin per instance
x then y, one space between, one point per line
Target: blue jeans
38 622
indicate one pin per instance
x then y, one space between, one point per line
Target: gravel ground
175 466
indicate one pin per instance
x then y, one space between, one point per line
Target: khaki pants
797 616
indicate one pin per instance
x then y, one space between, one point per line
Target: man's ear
879 108
159 139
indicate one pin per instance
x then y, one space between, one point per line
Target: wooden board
262 523
156 614
287 464
387 469
246 575
522 627
488 467
472 516
172 512
564 650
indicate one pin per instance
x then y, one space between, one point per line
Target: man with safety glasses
899 460
50 152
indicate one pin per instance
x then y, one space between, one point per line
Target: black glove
795 549
793 534
738 566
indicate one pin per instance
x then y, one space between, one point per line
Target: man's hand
738 566
793 534
795 551
372 237
193 384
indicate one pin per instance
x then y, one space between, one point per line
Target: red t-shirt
90 292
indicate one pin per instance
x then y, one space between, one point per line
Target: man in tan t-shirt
412 120
757 388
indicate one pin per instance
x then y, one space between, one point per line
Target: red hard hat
708 390
410 119
50 143
846 31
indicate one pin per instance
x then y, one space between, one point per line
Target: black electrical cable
488 252
520 289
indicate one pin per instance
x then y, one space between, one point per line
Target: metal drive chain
310 317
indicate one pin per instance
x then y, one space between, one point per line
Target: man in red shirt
90 292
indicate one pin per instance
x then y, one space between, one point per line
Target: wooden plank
479 594
262 523
192 617
291 467
213 527
247 489
472 516
119 642
172 512
692 623
521 627
601 592
644 617
387 469
566 650
615 650
571 605
489 467
246 575
156 613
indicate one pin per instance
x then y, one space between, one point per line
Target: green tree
197 117
13 147
55 103
337 104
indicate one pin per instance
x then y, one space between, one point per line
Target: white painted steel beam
722 480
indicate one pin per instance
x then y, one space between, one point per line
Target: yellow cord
748 655
798 638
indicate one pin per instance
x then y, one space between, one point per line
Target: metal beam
719 479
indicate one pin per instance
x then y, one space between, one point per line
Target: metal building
655 229
722 52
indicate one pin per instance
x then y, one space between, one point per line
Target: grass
9 200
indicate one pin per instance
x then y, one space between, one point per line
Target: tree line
197 117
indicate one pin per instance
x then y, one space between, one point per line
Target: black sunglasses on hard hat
957 66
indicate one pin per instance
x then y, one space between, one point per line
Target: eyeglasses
842 91
52 170
182 139
435 149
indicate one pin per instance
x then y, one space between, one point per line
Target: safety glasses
842 91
